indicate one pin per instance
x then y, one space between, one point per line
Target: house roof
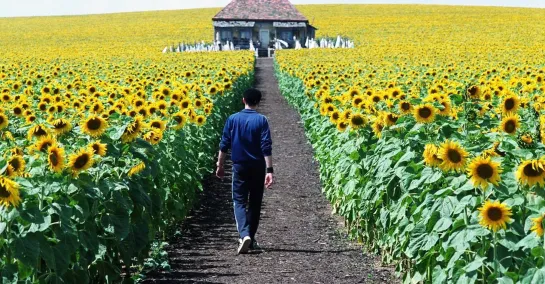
260 10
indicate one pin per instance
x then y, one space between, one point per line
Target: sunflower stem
483 273
496 270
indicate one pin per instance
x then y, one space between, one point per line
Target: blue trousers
248 186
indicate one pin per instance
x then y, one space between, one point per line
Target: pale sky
15 8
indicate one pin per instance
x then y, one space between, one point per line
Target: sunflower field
430 135
103 143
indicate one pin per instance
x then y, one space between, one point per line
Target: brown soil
302 241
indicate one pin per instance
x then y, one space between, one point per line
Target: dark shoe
244 244
255 245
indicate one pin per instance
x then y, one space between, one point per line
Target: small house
261 21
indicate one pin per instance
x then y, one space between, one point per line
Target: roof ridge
271 10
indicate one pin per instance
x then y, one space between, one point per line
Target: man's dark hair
252 96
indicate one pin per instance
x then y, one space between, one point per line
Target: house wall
234 34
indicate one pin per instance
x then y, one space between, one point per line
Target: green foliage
423 220
93 228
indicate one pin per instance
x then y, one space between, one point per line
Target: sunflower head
452 154
446 107
484 171
531 172
510 124
390 119
185 104
55 158
405 107
510 104
61 126
378 126
424 113
98 148
179 120
527 140
37 131
133 130
158 124
474 92
153 136
44 143
9 192
430 155
537 226
200 120
16 166
342 125
335 116
357 121
94 126
138 168
80 161
494 215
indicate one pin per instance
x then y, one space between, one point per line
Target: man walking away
248 136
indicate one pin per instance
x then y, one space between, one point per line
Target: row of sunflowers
100 157
432 150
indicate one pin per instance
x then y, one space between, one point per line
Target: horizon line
331 4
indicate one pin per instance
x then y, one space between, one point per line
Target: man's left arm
266 149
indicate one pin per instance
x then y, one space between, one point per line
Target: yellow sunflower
424 113
537 226
80 161
61 126
98 148
6 135
133 130
55 158
137 169
185 104
430 155
378 126
342 125
334 116
474 92
510 104
213 90
94 126
531 172
494 215
153 137
179 120
405 107
44 143
390 119
510 124
37 131
200 120
446 108
346 114
357 101
453 156
357 120
484 170
9 193
16 165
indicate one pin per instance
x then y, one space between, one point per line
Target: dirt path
302 241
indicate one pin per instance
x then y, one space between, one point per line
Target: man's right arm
225 145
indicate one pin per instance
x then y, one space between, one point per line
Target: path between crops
303 242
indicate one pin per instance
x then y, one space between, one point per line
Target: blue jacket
248 136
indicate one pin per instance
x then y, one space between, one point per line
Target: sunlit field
429 136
